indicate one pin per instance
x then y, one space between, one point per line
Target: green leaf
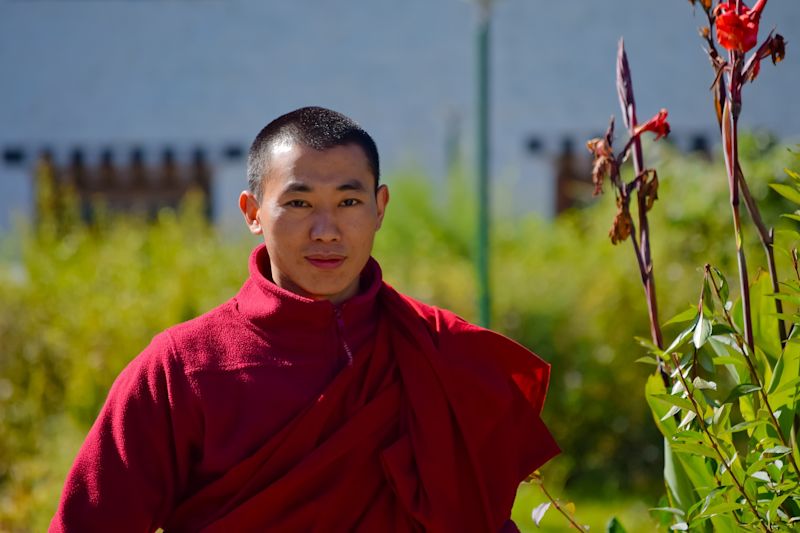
681 338
721 508
705 360
648 344
741 390
728 360
775 503
791 298
683 403
721 329
614 526
761 476
684 316
647 359
695 448
677 480
793 217
708 297
765 327
788 192
711 496
741 426
680 526
724 291
784 382
791 384
689 435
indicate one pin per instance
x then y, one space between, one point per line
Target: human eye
350 202
296 203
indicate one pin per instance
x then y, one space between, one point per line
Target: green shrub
79 301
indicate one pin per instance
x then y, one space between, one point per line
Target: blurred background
124 127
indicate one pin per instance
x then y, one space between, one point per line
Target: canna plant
725 394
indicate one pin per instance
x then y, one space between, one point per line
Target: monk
318 398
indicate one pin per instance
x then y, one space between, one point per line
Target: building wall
212 73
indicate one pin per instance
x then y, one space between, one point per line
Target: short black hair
315 127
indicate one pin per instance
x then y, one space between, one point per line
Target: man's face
318 214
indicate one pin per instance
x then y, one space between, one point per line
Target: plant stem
645 272
767 238
765 235
704 427
561 509
730 145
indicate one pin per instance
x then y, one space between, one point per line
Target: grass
632 513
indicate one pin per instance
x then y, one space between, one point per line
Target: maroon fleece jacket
206 394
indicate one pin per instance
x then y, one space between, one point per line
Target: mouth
325 262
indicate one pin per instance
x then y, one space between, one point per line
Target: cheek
279 224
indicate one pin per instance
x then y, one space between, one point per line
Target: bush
79 301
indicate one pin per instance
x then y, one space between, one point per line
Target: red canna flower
738 29
658 125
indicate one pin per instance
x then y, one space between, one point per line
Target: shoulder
436 319
468 349
445 325
206 341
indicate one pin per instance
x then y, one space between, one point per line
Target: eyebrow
299 186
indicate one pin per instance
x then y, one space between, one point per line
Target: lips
325 262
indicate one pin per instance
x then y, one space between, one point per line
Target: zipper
340 329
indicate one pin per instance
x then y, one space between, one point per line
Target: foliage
731 415
725 391
79 301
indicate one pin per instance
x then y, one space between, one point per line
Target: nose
324 227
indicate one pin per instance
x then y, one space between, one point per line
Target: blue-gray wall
148 73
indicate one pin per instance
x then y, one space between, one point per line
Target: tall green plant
728 407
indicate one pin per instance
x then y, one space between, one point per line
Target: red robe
275 412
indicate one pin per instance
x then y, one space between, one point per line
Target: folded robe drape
431 429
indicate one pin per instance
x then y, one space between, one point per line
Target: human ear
381 199
248 204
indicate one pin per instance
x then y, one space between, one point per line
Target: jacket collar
269 306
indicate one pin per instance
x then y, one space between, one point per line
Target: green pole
482 136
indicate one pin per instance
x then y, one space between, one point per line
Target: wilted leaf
700 383
673 510
539 511
691 415
778 450
672 412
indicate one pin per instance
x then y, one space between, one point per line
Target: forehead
289 161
